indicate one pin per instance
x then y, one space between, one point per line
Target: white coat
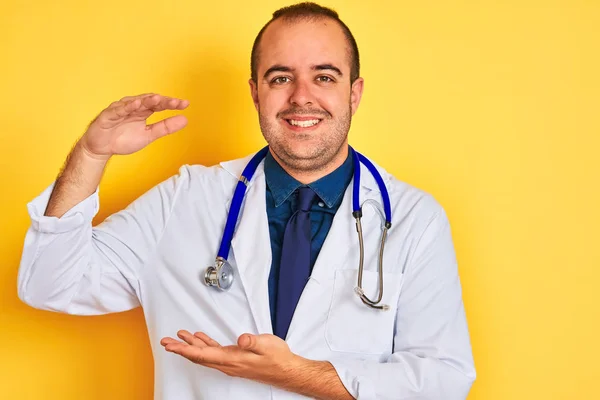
154 253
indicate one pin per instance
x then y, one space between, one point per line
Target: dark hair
308 11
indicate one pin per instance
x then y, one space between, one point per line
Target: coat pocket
354 327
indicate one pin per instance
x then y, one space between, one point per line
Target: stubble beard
316 157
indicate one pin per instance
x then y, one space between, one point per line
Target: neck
311 175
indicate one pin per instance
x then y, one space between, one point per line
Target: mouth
303 124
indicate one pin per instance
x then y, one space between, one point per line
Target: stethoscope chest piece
220 276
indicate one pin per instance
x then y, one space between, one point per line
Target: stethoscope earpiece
361 294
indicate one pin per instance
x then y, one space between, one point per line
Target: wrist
83 170
89 156
296 362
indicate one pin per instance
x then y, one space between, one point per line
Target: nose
301 94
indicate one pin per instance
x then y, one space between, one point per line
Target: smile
303 124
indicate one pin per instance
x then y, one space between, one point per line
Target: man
242 343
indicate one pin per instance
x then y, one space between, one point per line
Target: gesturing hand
121 128
262 358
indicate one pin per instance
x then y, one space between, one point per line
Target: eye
280 80
324 79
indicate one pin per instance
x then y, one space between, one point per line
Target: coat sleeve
68 265
432 356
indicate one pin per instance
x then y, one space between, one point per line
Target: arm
315 379
79 180
432 356
69 266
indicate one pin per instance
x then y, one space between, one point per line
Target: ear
254 92
356 92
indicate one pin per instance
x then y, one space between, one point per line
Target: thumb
253 343
166 126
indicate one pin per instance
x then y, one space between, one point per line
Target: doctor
291 324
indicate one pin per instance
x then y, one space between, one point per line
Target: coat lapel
251 245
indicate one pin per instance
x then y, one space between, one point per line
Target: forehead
303 43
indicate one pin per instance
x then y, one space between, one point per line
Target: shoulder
224 175
411 204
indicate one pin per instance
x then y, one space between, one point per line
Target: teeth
304 124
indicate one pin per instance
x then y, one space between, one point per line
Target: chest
330 317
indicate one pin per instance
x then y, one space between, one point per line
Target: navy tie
295 262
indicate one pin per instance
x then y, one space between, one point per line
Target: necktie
295 262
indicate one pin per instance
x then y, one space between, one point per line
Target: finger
156 102
167 103
183 104
150 102
191 339
168 340
166 126
120 110
207 339
139 96
205 355
161 103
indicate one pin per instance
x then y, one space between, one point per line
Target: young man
291 323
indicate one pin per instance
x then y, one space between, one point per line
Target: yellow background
490 106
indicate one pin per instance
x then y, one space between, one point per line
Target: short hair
308 11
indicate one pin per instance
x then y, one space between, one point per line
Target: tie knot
306 196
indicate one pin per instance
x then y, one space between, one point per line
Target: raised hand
119 129
122 129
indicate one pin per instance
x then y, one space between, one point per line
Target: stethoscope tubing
236 206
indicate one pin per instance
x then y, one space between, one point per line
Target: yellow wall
490 106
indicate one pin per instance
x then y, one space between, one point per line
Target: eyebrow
277 68
328 67
320 67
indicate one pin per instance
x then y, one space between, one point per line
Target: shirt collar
329 188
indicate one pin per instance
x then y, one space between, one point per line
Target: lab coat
154 254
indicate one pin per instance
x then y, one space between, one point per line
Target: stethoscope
221 274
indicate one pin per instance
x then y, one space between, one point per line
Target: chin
303 149
303 156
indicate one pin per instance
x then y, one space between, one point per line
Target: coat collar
236 167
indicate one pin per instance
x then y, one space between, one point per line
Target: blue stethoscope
221 274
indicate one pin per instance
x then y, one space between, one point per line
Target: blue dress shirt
281 203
